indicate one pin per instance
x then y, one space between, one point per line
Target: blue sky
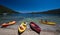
25 6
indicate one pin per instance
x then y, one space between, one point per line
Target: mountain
4 9
54 11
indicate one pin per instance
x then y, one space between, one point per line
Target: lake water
32 17
19 17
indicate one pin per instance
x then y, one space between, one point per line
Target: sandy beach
13 29
7 31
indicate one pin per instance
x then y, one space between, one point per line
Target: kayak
35 27
12 23
22 28
8 24
4 25
49 23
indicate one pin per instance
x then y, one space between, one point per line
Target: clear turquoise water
32 17
29 17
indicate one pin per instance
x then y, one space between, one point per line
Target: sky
26 6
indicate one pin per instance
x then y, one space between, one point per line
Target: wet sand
4 31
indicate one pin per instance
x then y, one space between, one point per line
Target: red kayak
4 25
35 27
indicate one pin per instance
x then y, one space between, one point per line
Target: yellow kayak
22 27
49 23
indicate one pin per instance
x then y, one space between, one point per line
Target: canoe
35 27
12 23
49 23
4 25
22 28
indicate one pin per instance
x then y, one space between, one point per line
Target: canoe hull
38 29
49 23
4 25
12 23
34 30
20 31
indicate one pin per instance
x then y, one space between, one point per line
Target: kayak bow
35 27
22 28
